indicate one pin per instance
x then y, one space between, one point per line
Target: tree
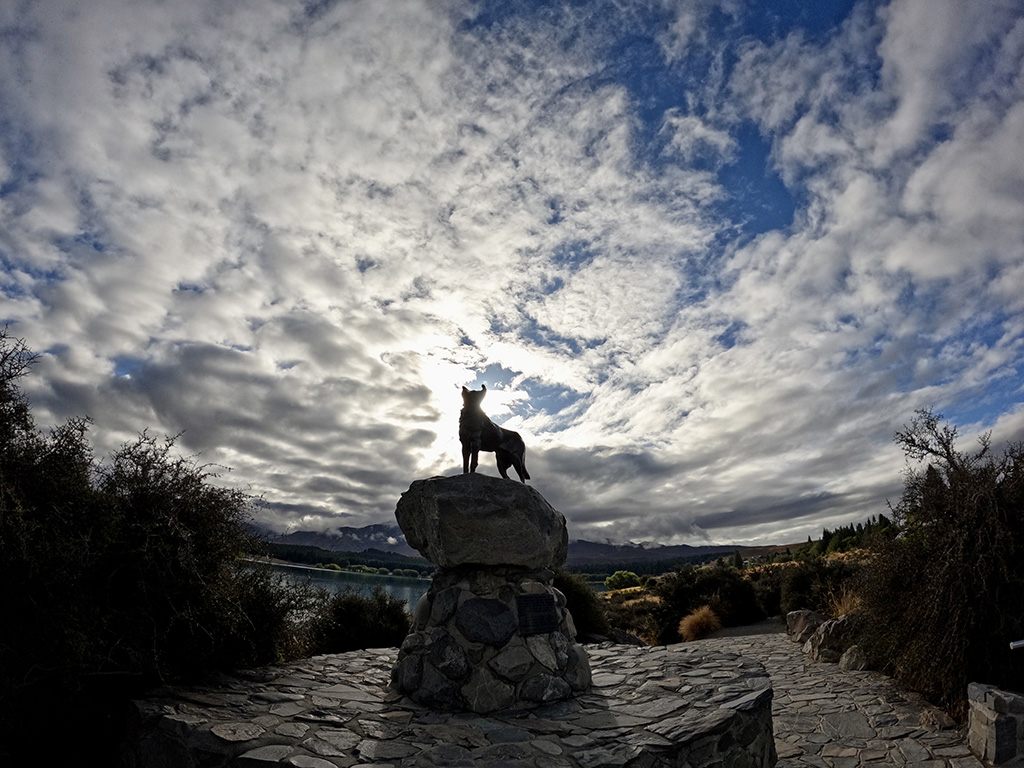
622 580
945 595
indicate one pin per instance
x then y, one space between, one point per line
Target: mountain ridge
384 537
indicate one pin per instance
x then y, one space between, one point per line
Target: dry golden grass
642 600
843 602
624 593
849 556
761 568
701 623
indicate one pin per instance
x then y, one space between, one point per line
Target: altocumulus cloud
706 258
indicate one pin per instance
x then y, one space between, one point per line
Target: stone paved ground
330 712
650 707
825 716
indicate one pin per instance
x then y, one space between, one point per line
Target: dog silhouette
478 433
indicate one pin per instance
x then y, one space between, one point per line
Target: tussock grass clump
699 624
843 601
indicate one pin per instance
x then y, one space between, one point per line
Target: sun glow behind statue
706 257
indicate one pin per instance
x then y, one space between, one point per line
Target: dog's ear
464 390
483 387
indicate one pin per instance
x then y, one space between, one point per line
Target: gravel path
826 717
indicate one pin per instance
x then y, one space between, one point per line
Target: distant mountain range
389 538
383 537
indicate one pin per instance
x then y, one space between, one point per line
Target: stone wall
489 639
996 727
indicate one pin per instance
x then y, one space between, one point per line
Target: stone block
853 659
486 620
485 693
995 732
544 688
801 624
476 519
512 662
831 639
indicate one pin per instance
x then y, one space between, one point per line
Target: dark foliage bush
682 591
122 574
583 603
277 619
622 580
815 583
633 613
767 584
945 596
350 621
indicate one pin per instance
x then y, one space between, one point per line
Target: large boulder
853 659
801 624
475 519
831 639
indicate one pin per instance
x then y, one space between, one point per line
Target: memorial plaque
538 614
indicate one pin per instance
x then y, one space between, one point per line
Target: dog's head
471 398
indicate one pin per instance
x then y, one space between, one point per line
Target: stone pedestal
492 633
995 730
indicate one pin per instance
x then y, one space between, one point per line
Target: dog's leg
504 462
519 464
465 458
474 457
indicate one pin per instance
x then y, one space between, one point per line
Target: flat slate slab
669 705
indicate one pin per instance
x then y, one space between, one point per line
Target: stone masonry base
996 729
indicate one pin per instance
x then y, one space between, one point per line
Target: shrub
699 624
633 612
811 583
731 595
945 596
844 601
350 621
274 620
767 583
586 609
723 588
622 580
119 575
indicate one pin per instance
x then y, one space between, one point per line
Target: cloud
292 235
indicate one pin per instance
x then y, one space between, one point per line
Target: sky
706 255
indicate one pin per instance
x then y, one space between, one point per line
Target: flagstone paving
827 717
649 708
335 712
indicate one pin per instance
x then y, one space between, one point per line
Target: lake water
408 589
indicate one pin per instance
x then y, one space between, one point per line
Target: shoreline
303 566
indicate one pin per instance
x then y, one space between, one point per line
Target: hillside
385 545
